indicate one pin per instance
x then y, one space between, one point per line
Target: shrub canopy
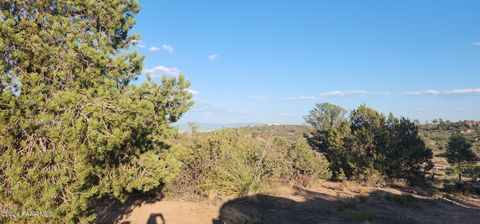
367 143
72 126
232 162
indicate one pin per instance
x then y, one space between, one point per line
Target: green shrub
223 162
240 174
306 163
232 162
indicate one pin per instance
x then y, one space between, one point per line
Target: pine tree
72 126
459 153
368 143
366 125
404 154
330 135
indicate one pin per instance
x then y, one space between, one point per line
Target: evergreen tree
325 116
405 154
330 135
72 126
366 125
368 144
459 153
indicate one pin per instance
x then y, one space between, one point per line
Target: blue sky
270 61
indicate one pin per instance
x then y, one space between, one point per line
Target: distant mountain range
183 127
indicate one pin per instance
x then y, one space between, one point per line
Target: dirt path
327 203
172 212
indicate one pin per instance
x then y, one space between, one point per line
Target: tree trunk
459 173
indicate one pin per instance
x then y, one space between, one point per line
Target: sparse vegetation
76 133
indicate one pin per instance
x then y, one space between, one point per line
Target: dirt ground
181 212
326 202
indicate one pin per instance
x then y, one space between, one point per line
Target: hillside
319 201
206 127
96 99
436 137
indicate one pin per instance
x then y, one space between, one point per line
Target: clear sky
270 61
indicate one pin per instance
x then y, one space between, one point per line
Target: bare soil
326 202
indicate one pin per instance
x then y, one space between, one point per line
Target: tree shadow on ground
112 210
376 207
